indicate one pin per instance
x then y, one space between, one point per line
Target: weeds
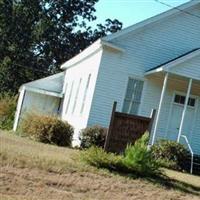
7 110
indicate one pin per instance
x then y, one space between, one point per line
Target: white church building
154 64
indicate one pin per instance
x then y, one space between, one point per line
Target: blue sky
131 11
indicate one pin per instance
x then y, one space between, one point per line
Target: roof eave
160 69
42 91
93 48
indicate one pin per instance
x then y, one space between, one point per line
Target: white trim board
19 107
41 91
54 76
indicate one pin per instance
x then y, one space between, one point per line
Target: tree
38 36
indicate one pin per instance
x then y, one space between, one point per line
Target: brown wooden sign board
125 129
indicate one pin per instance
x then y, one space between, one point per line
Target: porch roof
175 61
51 85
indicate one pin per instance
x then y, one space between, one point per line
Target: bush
8 104
47 129
170 153
97 157
93 136
137 159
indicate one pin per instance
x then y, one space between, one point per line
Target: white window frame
138 78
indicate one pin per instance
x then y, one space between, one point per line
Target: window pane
69 98
134 108
85 93
77 92
181 100
130 89
191 102
126 106
177 99
133 96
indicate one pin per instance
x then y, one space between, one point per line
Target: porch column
184 110
19 107
160 106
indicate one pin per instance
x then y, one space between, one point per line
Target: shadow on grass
169 183
164 181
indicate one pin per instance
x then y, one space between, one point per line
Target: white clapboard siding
196 134
148 48
81 70
190 68
111 86
160 42
145 49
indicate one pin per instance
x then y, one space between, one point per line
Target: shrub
137 159
8 104
170 153
93 136
47 129
97 157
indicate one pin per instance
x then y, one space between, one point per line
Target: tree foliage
36 37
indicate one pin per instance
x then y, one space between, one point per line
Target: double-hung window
133 96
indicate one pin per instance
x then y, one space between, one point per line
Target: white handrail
191 151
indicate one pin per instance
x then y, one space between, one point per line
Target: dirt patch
17 183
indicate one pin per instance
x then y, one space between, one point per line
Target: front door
176 115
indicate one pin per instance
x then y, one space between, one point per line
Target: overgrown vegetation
47 129
7 110
93 136
97 157
170 154
137 159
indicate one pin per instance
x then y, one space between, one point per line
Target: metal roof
178 57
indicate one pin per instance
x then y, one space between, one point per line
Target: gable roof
51 85
177 60
148 21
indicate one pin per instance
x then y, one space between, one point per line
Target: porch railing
191 151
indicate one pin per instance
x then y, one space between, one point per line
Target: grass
22 152
60 170
183 177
